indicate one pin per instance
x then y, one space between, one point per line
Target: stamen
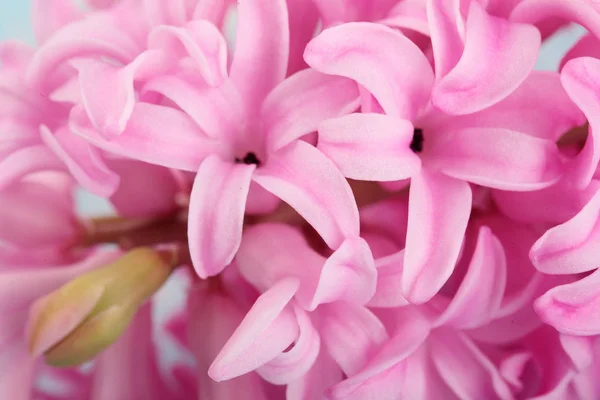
249 158
417 141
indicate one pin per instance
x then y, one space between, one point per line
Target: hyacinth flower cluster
354 200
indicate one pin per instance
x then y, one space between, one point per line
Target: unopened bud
79 320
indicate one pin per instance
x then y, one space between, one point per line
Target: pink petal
304 16
201 40
582 82
579 349
466 369
211 10
266 331
395 71
409 14
587 46
437 219
446 24
83 161
26 161
497 158
349 275
166 13
107 92
294 363
382 372
323 374
371 147
352 334
474 84
482 289
261 52
299 104
18 373
513 367
146 190
96 36
389 278
216 214
51 15
573 309
571 247
297 174
148 137
217 111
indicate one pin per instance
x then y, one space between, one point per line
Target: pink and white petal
265 332
487 72
538 11
439 209
260 59
446 25
465 369
216 214
304 17
297 361
580 350
149 137
297 174
299 104
372 147
107 92
587 46
99 36
574 308
217 111
83 161
48 16
544 119
395 71
348 275
270 252
352 334
323 374
146 189
480 294
389 277
497 158
384 369
26 161
571 247
581 80
199 39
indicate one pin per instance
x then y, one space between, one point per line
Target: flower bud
82 318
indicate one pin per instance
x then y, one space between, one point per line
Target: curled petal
410 15
372 147
395 71
446 24
573 309
481 291
579 349
389 278
587 46
83 161
294 363
267 330
26 161
571 247
437 220
148 137
202 41
299 104
498 158
297 174
487 72
216 215
261 52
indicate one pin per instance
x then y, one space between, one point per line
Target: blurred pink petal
438 215
348 50
389 278
323 374
296 174
370 146
50 15
217 206
25 161
587 46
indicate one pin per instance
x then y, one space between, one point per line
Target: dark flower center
416 145
249 158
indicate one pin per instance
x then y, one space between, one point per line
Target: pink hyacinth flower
244 131
439 152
